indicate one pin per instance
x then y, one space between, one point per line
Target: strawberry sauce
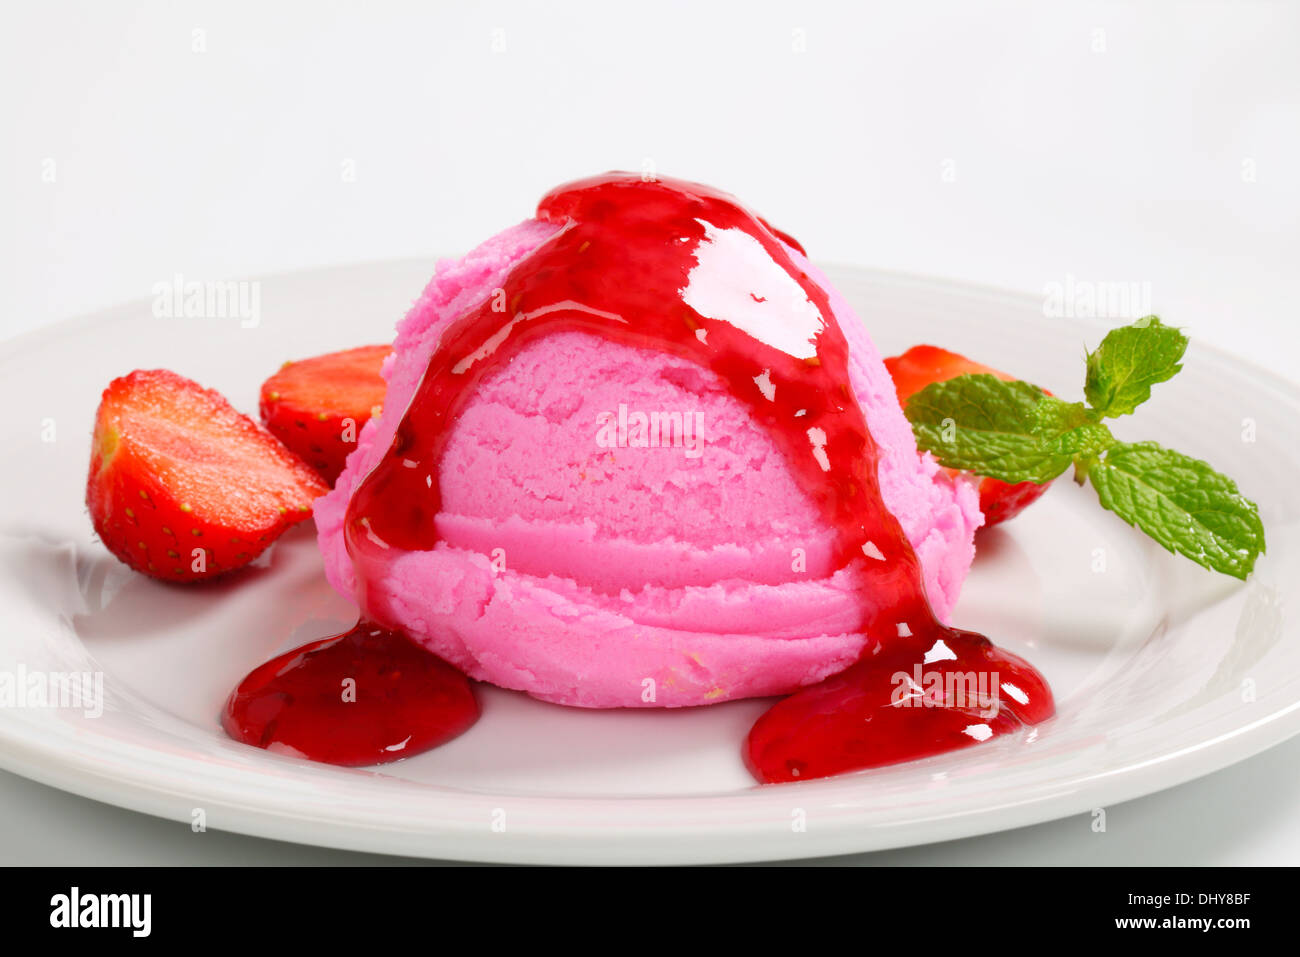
366 696
684 269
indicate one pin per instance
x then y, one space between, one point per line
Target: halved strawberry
317 406
183 487
918 367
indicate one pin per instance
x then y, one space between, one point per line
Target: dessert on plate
636 451
633 511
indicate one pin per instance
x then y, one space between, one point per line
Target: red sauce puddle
643 262
366 696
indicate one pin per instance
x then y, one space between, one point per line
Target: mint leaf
1129 361
1083 441
1004 430
1055 417
1182 503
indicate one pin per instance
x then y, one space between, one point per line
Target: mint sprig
1016 432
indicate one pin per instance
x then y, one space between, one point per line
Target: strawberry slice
183 487
918 367
317 406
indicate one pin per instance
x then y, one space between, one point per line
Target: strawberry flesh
183 487
317 406
921 365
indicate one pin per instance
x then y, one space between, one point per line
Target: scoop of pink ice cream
602 576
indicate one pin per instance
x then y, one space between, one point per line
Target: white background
1016 144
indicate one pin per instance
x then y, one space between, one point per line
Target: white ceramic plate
1163 672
